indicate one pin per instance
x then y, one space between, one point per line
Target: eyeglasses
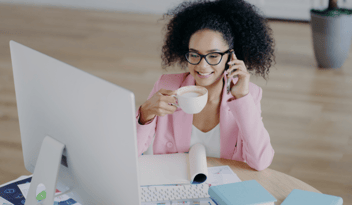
211 58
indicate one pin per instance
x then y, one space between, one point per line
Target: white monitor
88 124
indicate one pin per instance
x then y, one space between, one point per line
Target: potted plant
332 33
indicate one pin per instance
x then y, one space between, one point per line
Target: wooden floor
307 111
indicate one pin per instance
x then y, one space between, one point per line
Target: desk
278 184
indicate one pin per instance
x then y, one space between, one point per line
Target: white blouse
210 140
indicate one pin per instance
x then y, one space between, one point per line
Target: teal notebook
301 197
241 193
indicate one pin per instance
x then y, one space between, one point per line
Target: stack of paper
178 168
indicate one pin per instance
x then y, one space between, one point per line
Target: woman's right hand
159 104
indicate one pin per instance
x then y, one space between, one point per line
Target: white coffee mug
191 99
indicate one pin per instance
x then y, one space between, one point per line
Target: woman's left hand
241 88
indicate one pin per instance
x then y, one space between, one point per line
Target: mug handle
175 104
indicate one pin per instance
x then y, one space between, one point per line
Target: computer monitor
77 130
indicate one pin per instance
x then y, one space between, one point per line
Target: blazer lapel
182 123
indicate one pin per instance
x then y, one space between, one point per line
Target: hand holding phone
237 68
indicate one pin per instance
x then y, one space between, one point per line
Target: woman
217 41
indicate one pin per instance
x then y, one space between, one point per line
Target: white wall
280 9
139 6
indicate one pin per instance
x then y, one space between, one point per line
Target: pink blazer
243 136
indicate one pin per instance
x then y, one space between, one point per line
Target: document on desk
178 168
11 193
221 175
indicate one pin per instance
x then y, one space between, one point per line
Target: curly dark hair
241 25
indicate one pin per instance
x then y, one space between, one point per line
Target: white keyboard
170 193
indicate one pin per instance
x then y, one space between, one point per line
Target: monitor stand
46 171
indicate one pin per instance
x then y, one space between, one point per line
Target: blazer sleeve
257 149
145 133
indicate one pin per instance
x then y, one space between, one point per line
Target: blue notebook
301 197
241 193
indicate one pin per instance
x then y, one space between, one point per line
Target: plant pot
331 39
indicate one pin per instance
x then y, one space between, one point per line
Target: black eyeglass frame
204 56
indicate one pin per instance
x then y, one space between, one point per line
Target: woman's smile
204 74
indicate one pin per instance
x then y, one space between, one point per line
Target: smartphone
228 60
226 68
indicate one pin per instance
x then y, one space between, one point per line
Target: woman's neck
215 91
